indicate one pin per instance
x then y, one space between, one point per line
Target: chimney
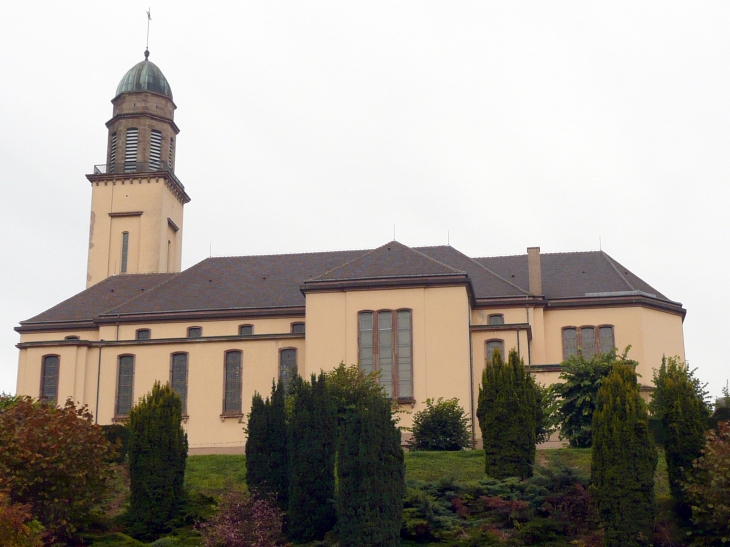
534 270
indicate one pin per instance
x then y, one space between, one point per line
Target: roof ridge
610 261
290 254
541 254
143 292
491 272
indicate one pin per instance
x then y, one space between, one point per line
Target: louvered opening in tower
155 149
171 155
130 150
113 153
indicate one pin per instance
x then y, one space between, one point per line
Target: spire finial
147 47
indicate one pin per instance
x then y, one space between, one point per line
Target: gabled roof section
486 283
391 260
105 295
572 275
236 283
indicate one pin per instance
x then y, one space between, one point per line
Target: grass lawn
217 474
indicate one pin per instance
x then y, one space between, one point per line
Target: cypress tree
623 461
312 432
679 402
158 448
371 473
507 412
267 465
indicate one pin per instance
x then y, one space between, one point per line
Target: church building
426 318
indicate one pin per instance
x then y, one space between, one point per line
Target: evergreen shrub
508 414
118 436
158 448
443 425
624 460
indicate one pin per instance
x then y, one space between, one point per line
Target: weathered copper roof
144 76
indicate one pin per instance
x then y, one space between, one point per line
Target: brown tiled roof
105 295
566 275
237 284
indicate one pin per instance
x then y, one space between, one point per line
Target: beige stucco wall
440 336
149 232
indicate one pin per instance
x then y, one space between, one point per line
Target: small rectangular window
233 383
297 328
287 367
492 346
49 378
245 330
125 385
144 334
195 332
496 319
179 378
570 342
125 251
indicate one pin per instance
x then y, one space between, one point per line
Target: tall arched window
179 377
49 378
130 150
155 149
492 346
233 383
125 251
125 385
287 367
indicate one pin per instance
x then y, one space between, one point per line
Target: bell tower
136 200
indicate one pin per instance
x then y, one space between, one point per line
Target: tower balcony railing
135 167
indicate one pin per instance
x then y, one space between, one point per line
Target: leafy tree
680 402
311 438
624 459
507 413
576 396
54 460
348 386
708 489
443 425
158 448
267 465
371 473
7 400
243 520
17 526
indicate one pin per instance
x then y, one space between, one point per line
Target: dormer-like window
144 334
195 332
130 150
496 319
297 328
245 330
72 337
155 149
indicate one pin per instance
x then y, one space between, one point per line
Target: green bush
118 433
442 426
680 402
158 448
508 413
624 461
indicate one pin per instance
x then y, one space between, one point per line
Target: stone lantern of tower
137 201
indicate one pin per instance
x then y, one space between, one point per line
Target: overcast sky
311 126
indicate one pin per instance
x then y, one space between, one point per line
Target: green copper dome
144 76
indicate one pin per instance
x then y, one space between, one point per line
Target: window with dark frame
297 328
495 319
195 332
49 378
386 345
144 334
492 346
588 340
125 385
125 251
179 378
245 330
287 367
233 383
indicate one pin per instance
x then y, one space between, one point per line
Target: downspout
98 383
471 381
529 353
